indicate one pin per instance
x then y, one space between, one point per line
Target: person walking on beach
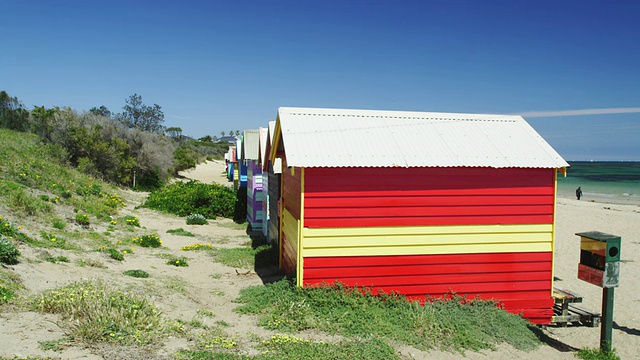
578 193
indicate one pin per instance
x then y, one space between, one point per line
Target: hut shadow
625 329
266 259
554 343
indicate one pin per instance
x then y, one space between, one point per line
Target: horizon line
579 112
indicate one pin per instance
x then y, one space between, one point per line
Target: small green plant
56 259
8 252
137 273
196 247
82 219
151 240
55 345
178 261
596 354
44 197
196 219
113 253
131 220
59 224
5 294
180 232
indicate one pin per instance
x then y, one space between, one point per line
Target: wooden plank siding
519 281
361 197
429 231
274 198
255 213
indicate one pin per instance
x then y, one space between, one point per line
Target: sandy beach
213 286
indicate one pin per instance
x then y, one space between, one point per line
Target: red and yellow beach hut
420 203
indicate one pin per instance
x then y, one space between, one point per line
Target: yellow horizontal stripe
426 240
406 240
418 230
428 250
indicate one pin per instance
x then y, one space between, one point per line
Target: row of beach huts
413 202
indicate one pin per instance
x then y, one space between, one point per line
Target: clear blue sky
228 65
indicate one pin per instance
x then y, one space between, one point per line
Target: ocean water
602 181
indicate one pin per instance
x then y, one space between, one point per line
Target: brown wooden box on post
599 259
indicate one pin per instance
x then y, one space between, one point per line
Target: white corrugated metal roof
251 143
371 138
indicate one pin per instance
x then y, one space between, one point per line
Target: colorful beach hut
419 203
255 213
273 169
264 136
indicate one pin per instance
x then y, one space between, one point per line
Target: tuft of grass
91 263
137 273
27 204
97 312
456 324
56 259
596 354
58 224
180 232
178 261
113 253
197 247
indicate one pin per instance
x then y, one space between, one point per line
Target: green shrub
82 219
44 197
178 261
193 197
196 219
8 252
137 273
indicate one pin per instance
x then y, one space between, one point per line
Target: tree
101 111
206 138
237 132
13 115
222 133
141 116
174 132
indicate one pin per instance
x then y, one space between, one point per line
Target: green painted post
606 329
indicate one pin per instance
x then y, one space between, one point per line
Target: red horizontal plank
424 191
424 201
346 261
349 273
338 221
424 211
